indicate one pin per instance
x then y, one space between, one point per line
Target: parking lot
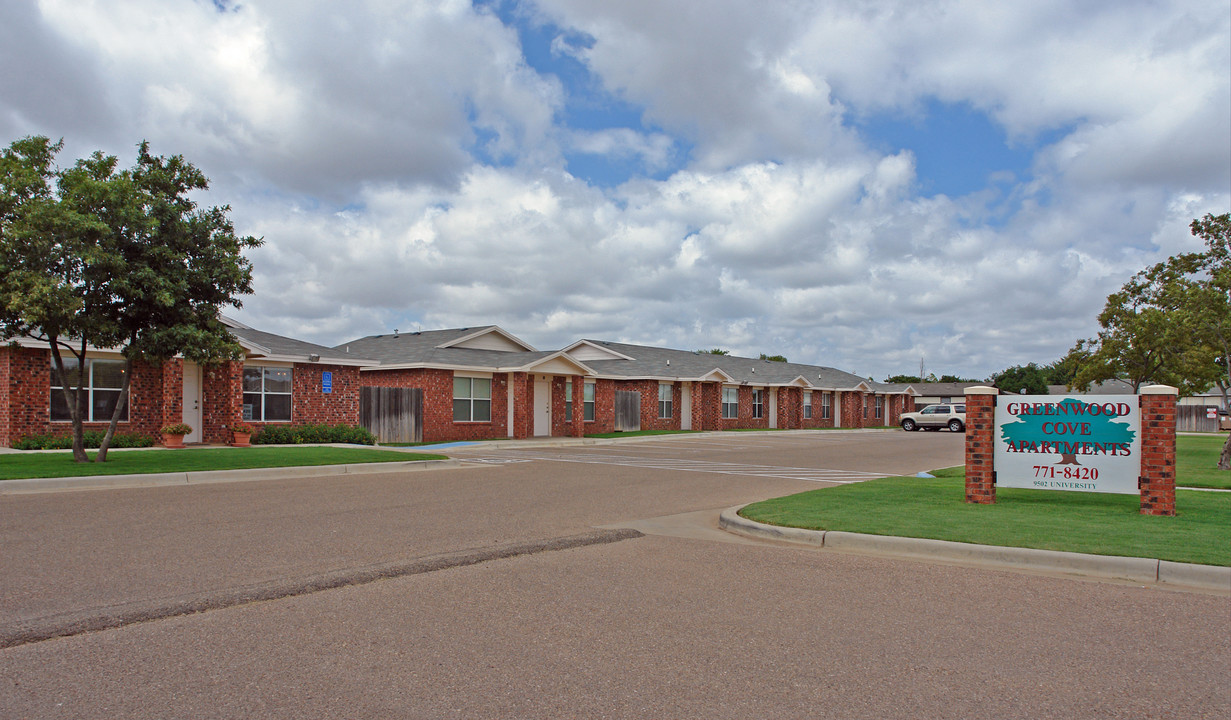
501 589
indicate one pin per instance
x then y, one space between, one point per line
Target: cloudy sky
859 184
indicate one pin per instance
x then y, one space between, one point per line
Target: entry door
773 408
686 406
542 408
192 400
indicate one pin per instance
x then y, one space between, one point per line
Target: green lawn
1095 523
1197 461
60 464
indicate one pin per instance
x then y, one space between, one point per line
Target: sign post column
980 425
1158 450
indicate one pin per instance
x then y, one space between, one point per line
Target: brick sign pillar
980 427
1158 450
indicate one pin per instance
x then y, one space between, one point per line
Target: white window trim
88 389
735 389
264 393
471 399
669 402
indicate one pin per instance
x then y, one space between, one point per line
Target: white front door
542 407
686 406
836 409
773 408
192 400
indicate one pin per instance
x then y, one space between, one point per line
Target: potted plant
173 435
241 434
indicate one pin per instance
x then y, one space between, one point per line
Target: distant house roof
625 361
268 346
944 389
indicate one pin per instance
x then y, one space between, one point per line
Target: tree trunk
1068 459
1224 460
115 414
72 396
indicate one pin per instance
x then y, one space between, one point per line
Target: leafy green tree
954 379
1100 429
95 257
715 351
903 379
1170 323
1021 377
773 358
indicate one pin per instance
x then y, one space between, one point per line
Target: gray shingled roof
277 345
422 348
652 362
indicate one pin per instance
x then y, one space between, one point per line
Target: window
826 405
880 406
730 403
665 395
99 393
758 405
587 400
568 401
865 408
267 394
807 404
472 399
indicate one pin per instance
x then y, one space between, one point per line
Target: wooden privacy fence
393 415
1193 418
627 411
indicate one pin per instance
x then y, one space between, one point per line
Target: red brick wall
560 427
25 382
222 399
437 387
852 410
310 405
707 406
172 391
817 421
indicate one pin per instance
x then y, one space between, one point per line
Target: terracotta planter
172 441
239 439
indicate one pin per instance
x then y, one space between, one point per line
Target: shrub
301 434
176 429
93 439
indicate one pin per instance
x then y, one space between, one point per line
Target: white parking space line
683 465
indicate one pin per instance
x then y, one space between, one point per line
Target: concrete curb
204 477
1137 570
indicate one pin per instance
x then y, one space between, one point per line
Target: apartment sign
1077 443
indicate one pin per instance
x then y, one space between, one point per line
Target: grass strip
1196 461
935 508
49 465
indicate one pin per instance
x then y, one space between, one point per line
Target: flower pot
239 439
172 441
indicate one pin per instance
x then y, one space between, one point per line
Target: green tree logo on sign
1068 428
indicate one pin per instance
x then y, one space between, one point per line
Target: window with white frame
568 401
472 399
807 404
99 392
730 403
826 405
758 403
587 400
267 393
665 396
880 406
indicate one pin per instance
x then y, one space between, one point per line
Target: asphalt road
502 596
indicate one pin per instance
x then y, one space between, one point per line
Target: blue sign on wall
326 382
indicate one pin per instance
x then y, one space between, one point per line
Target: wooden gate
393 415
627 411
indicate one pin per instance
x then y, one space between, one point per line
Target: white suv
934 417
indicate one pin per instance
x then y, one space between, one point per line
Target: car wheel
908 425
955 426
